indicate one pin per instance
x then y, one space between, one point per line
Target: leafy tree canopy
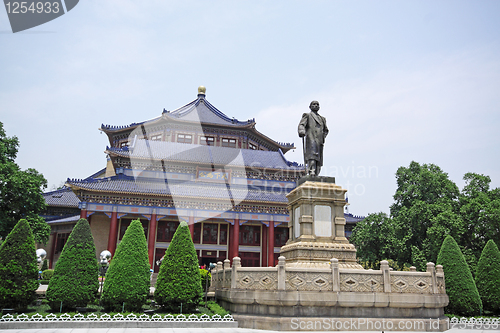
20 192
427 207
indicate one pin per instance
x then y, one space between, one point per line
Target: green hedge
18 268
74 282
179 279
128 278
488 277
460 286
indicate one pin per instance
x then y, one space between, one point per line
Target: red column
191 226
113 233
235 243
264 245
53 251
230 241
151 240
270 250
83 213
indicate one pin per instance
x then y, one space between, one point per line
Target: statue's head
314 106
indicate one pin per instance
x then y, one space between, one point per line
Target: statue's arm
325 130
303 124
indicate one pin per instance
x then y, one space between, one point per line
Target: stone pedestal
317 225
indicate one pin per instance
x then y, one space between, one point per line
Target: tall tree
460 286
374 238
424 211
18 268
179 277
20 192
480 211
488 277
75 279
128 278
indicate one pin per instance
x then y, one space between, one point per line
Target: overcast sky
397 81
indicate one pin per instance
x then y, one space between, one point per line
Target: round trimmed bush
18 268
460 286
488 277
128 278
179 280
47 274
74 282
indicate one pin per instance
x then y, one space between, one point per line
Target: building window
231 143
252 146
156 137
207 140
197 233
124 144
166 230
61 241
250 235
280 236
223 234
210 231
184 138
250 259
126 222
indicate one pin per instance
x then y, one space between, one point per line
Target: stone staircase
154 277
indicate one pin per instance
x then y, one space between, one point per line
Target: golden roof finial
201 90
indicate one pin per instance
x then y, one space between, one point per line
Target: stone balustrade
334 279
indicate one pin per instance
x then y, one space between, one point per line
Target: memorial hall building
193 164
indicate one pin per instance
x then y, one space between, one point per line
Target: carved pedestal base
318 254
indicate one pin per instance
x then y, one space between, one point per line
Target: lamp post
40 257
105 257
209 269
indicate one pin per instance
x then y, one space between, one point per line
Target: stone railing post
226 267
218 273
384 267
281 273
431 269
335 274
440 275
234 272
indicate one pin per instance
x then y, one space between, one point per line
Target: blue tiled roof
201 111
194 189
183 152
353 218
63 197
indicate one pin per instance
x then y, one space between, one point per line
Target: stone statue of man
312 126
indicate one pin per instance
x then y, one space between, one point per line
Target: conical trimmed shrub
128 278
488 277
179 277
75 280
460 286
18 268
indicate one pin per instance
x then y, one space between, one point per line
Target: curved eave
114 154
283 148
202 123
79 188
